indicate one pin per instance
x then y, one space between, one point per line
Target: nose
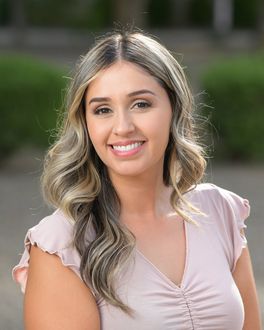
123 124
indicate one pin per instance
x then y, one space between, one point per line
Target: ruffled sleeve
53 234
235 210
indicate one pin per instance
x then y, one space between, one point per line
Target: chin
128 170
127 173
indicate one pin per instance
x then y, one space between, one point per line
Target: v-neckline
164 276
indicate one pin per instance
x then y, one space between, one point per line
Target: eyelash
103 111
146 104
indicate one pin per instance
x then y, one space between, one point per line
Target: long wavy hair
76 181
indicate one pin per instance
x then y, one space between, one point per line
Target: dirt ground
22 207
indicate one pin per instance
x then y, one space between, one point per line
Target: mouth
127 147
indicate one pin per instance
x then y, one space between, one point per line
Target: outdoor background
219 42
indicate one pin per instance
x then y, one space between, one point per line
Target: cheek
98 134
94 138
161 125
91 133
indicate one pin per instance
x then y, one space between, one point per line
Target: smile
127 147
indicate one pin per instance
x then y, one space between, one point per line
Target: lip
125 143
127 153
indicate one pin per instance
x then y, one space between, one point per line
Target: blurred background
220 43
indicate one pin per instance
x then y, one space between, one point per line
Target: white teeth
128 147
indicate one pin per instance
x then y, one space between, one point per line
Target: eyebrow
107 99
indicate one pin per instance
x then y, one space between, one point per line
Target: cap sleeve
235 209
53 234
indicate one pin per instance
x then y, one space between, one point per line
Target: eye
102 111
142 105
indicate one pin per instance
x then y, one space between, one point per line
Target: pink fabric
208 297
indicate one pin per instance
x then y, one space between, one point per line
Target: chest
164 246
207 286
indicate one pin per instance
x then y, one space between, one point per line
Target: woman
136 242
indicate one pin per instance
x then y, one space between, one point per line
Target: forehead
122 75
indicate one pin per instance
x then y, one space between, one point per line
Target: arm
244 278
55 297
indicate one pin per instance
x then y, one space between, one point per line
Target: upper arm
244 278
56 298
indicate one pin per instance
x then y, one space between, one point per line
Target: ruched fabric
207 298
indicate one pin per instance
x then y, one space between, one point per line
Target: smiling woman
136 240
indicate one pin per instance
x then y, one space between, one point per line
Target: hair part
76 181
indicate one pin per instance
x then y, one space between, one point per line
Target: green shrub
235 90
30 93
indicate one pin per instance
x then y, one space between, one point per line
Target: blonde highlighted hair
76 181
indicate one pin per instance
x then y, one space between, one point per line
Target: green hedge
235 90
30 93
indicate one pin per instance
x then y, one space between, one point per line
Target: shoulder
57 292
208 189
47 274
211 196
54 235
226 211
55 230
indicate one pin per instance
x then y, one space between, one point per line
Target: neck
145 196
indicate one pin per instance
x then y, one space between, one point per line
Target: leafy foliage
235 89
30 92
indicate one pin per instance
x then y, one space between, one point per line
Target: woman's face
128 117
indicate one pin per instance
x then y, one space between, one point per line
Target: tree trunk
260 23
223 16
18 21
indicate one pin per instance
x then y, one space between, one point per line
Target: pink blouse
208 298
